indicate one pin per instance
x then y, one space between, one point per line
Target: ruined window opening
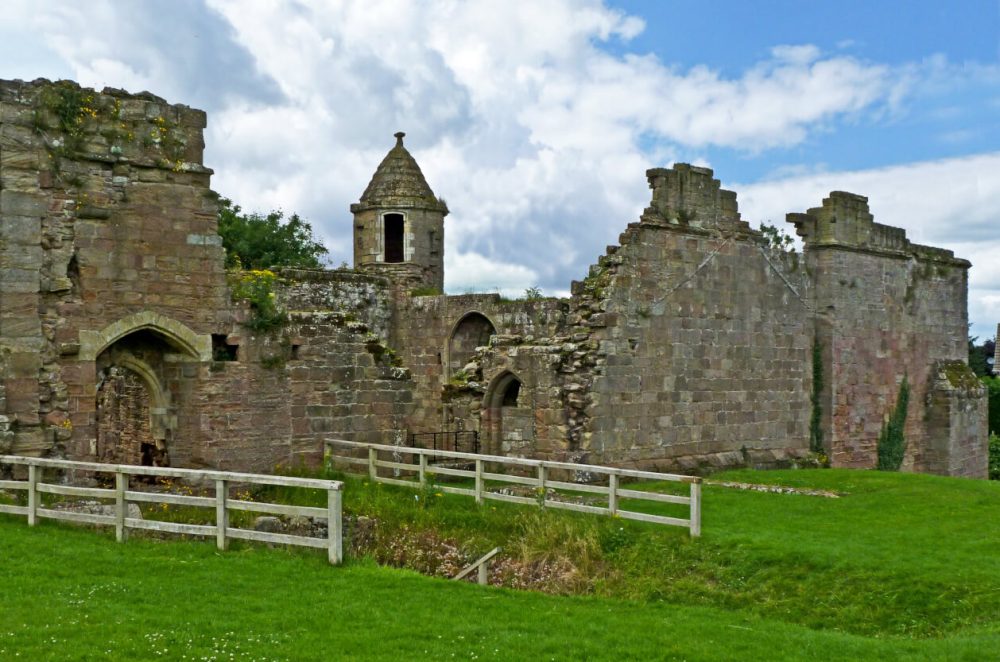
393 237
222 350
511 393
472 331
73 273
295 352
430 242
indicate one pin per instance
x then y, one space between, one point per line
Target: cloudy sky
537 120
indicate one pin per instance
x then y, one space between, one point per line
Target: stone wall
106 212
425 338
888 310
700 338
690 343
363 297
321 376
113 293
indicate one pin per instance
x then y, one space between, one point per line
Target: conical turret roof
398 182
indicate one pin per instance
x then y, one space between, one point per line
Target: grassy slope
900 554
897 554
72 594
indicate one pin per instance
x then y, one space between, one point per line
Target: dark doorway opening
393 237
510 394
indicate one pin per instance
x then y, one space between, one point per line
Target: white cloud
535 132
475 272
950 203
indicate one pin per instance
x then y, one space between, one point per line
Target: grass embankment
898 554
902 566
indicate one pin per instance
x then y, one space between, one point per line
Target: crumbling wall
698 338
889 310
423 338
363 297
106 212
692 342
111 272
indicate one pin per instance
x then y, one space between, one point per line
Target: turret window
393 227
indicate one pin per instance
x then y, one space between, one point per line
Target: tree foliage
993 394
978 355
253 241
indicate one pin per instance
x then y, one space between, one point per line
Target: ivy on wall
816 415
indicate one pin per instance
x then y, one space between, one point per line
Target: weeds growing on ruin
256 287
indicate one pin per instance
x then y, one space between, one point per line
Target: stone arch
508 415
134 421
179 336
473 329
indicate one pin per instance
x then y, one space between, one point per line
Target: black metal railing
459 441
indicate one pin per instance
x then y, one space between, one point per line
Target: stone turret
399 223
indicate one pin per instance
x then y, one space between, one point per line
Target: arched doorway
124 427
508 414
471 331
134 416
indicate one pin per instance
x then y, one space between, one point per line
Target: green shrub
994 457
892 441
993 392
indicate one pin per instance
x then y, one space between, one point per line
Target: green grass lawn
901 567
896 554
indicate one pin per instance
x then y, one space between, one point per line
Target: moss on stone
960 375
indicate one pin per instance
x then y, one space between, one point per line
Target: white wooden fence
541 480
221 502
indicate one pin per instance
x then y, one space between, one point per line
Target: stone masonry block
15 203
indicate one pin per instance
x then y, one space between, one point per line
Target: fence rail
482 564
457 440
223 480
541 480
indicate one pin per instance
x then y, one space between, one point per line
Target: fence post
479 481
484 573
372 469
542 475
334 526
613 494
32 494
121 485
696 508
221 514
423 470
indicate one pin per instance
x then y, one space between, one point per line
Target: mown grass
72 594
897 554
900 566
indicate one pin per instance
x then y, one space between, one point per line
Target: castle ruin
692 343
